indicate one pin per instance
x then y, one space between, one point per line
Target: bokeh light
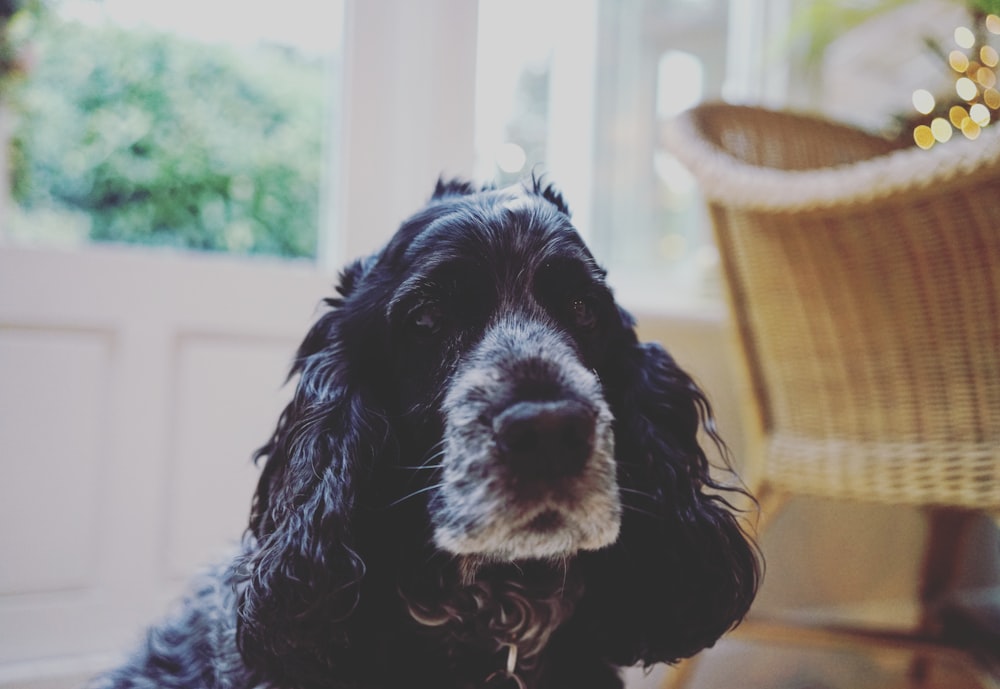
958 60
966 89
988 56
964 37
923 101
957 115
510 157
980 114
986 77
923 136
941 129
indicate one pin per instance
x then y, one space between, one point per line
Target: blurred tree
166 141
988 6
15 17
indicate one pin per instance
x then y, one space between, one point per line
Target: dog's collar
507 678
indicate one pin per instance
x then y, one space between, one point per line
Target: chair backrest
864 285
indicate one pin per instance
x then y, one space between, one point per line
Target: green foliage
16 18
170 142
819 22
989 6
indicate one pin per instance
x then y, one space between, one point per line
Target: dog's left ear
539 186
300 580
682 572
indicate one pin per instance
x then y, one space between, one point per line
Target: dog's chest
494 630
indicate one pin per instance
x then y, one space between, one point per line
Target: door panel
134 388
221 412
58 376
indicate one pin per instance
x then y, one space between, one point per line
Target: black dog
483 480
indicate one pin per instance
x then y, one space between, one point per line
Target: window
176 124
580 92
585 95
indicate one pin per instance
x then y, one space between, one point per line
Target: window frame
420 59
408 117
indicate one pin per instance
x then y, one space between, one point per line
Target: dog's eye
583 313
428 319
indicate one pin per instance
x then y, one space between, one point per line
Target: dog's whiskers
565 575
640 494
414 494
637 510
435 453
633 491
430 464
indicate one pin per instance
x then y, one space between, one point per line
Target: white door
134 387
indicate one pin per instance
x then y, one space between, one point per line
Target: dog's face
475 396
498 324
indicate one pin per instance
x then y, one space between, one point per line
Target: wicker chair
863 279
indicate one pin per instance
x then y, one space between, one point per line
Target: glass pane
515 53
585 96
194 124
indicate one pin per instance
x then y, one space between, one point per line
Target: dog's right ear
300 579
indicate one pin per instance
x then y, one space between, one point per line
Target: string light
941 129
923 101
957 115
975 64
966 89
923 136
964 37
988 56
986 77
958 60
980 114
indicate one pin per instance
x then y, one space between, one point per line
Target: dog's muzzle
528 464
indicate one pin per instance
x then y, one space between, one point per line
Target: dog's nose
546 439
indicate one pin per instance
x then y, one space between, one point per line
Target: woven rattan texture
868 314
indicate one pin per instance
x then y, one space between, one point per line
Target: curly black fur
407 530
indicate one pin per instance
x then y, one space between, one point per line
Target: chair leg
947 532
